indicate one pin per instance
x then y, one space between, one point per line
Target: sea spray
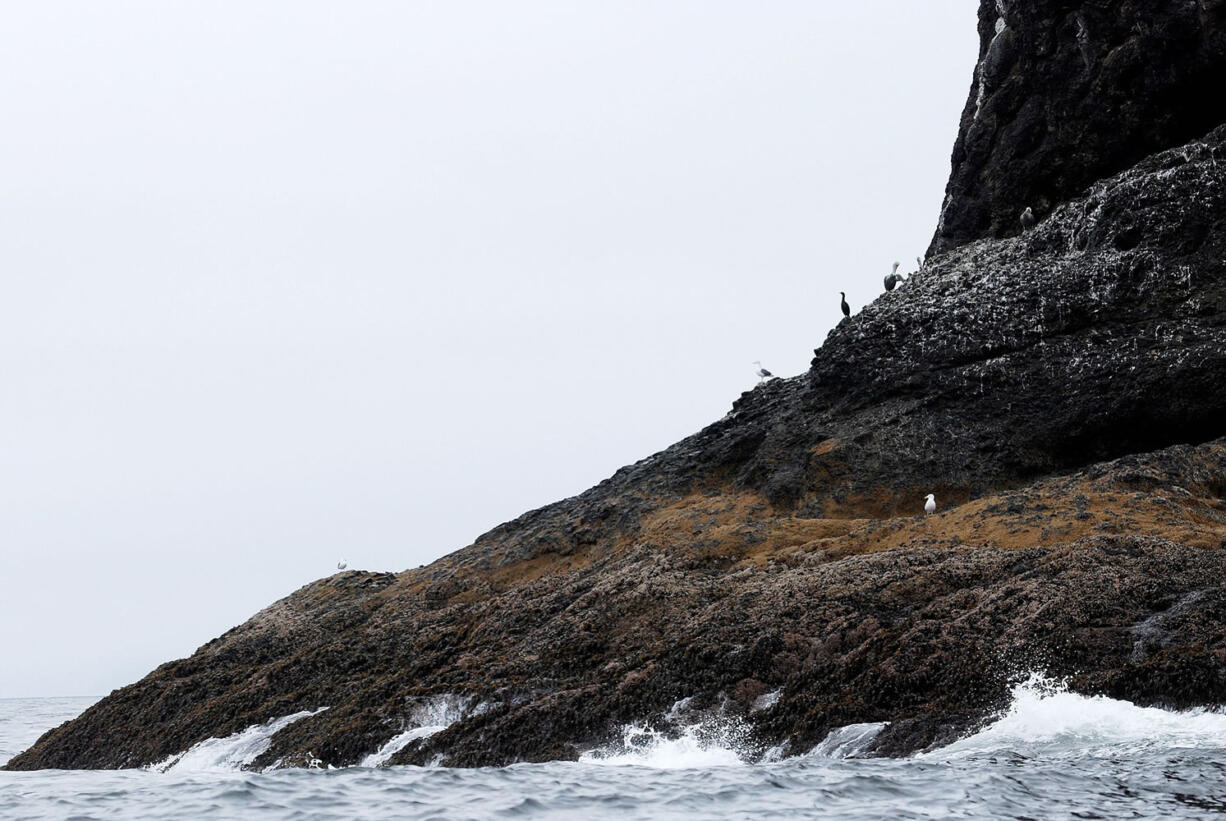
234 752
696 746
431 716
765 701
682 738
848 742
1160 781
1045 717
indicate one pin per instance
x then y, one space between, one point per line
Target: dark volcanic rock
1100 332
919 621
1061 392
1067 92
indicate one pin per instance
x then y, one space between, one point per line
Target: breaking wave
691 739
431 716
1044 718
1051 754
234 752
848 742
696 746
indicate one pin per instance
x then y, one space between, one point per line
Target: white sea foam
696 747
695 740
431 716
399 742
766 701
1045 718
1148 783
679 710
773 754
849 741
232 752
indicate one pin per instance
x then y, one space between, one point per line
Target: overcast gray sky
290 281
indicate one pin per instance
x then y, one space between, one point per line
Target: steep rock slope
1067 92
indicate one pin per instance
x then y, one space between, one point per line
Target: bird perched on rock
1027 219
342 564
846 308
893 278
763 373
930 504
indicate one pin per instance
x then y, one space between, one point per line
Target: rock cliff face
1067 92
1062 392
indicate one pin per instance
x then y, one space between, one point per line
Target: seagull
763 373
342 564
930 506
893 278
846 308
1027 219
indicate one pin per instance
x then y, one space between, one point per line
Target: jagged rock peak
1067 92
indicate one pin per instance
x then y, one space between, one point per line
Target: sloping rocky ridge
778 548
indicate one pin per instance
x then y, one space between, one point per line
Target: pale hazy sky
290 281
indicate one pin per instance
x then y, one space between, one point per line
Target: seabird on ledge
892 278
1027 219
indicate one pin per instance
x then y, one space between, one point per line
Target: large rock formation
1061 392
1067 92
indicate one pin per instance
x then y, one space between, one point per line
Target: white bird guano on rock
930 504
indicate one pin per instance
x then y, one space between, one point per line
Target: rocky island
1060 389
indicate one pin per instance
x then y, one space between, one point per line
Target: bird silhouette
846 308
1027 219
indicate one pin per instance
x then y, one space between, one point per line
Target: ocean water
1053 754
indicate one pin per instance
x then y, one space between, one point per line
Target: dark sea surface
1052 755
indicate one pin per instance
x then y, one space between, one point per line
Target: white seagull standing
930 506
342 564
763 373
